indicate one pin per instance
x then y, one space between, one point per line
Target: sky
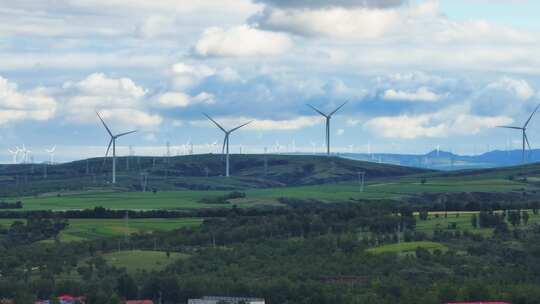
415 75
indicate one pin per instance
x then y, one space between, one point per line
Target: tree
535 206
423 214
525 217
514 217
127 287
474 221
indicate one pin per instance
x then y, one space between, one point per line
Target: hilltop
196 172
444 160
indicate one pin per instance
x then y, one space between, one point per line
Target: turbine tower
113 143
524 138
51 154
225 149
14 154
328 117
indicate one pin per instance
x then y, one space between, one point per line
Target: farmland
91 229
131 260
332 192
406 248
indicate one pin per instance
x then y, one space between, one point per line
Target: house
65 299
228 300
486 302
140 302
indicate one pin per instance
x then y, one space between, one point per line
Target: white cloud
519 87
448 122
157 26
421 22
118 99
18 106
182 100
353 122
340 132
343 23
264 124
241 41
421 94
186 75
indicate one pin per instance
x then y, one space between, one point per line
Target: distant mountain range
443 160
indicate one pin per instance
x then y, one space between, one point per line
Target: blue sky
417 74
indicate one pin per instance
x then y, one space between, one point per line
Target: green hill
195 172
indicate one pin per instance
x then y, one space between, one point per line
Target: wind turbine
524 138
113 143
328 117
14 154
51 154
226 141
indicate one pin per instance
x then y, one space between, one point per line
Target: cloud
182 100
507 95
454 121
519 87
157 26
337 22
118 99
186 75
241 41
264 124
340 132
423 24
332 3
29 105
422 94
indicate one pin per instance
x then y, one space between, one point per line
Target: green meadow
332 192
409 247
88 229
131 260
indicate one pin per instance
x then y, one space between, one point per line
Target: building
65 299
140 302
487 302
228 300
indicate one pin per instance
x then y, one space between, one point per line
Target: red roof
488 302
140 302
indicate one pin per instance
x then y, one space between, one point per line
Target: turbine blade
108 148
341 106
240 126
317 110
104 124
527 140
510 127
224 143
215 122
528 120
126 133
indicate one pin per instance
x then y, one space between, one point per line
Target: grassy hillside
195 172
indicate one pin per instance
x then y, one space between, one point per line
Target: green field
407 247
333 192
132 260
85 229
463 223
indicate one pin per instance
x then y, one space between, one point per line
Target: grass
89 229
463 222
142 260
404 248
332 192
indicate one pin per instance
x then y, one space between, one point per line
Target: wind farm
269 152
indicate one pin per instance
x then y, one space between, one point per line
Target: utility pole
361 177
265 161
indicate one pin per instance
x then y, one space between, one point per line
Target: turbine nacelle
112 143
328 117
